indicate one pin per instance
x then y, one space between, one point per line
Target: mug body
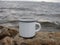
27 29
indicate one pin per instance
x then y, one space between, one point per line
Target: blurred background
47 12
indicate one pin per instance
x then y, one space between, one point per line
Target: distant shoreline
30 1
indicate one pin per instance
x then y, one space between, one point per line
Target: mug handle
38 27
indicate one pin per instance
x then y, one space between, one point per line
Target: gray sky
35 0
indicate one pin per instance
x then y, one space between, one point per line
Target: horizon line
30 1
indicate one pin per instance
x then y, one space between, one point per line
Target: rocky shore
9 36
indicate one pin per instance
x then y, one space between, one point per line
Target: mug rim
27 20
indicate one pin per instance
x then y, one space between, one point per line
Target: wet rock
57 34
9 36
48 42
1 42
1 27
12 32
7 32
8 41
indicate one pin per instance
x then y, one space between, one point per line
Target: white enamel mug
27 27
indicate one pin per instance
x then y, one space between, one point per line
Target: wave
51 24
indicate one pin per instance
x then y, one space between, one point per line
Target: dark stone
1 27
